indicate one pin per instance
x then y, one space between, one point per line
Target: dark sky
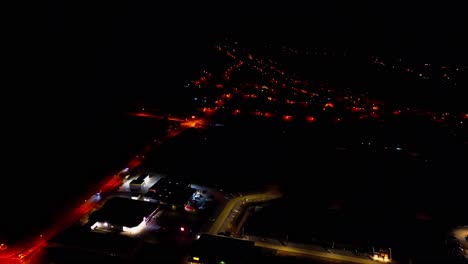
105 46
101 47
436 27
102 52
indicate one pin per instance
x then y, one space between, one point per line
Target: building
138 183
75 245
123 215
170 190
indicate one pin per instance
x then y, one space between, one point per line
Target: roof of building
170 183
124 212
170 190
137 181
83 240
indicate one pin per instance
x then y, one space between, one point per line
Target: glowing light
182 229
96 225
310 119
136 229
329 104
383 258
287 118
356 109
196 258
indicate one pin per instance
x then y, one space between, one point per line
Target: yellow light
196 258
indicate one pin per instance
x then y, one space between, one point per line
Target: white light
135 230
96 225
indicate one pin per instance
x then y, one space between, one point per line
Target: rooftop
124 212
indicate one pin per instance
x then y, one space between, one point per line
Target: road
159 117
25 252
288 249
461 234
234 206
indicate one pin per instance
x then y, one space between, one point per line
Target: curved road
234 205
222 220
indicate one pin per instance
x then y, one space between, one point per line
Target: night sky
430 29
108 54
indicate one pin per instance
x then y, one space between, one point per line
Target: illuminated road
159 117
461 235
184 122
233 207
287 251
222 221
25 253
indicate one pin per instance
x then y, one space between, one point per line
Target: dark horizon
108 47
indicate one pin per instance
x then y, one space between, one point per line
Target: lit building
123 215
170 190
